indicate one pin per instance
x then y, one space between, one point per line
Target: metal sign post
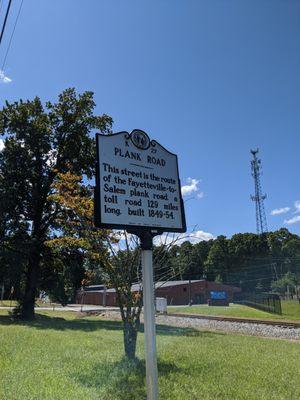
149 316
138 189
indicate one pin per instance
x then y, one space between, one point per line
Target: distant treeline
247 260
252 262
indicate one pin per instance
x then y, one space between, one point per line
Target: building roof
158 285
136 286
94 288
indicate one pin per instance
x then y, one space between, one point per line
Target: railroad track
281 324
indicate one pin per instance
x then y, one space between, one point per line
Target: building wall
175 295
200 292
88 297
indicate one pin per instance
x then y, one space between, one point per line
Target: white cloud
191 187
293 220
297 206
279 211
200 236
4 78
1 144
178 239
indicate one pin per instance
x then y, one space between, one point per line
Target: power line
11 36
5 20
248 269
242 273
241 280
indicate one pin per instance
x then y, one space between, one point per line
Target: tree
113 257
40 143
288 283
117 266
249 261
61 274
11 265
217 262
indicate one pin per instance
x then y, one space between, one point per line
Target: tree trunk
130 332
27 303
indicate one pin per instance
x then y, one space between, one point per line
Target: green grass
290 311
63 357
8 303
14 303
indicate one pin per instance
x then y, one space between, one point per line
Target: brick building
176 292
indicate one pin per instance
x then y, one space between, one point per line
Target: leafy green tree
183 261
112 258
62 273
218 259
249 261
289 282
199 254
113 265
162 257
41 142
11 266
173 268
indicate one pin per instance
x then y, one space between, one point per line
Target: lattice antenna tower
261 220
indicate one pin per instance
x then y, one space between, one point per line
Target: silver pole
149 323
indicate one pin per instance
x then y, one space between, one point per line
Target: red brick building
176 292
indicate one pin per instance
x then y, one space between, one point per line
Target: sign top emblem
140 139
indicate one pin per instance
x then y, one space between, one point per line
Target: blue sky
207 79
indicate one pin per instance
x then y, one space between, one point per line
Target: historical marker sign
138 185
138 189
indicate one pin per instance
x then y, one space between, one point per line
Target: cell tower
261 220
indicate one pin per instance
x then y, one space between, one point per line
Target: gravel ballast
226 326
271 331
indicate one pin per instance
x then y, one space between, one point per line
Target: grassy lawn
63 357
290 311
13 303
8 303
